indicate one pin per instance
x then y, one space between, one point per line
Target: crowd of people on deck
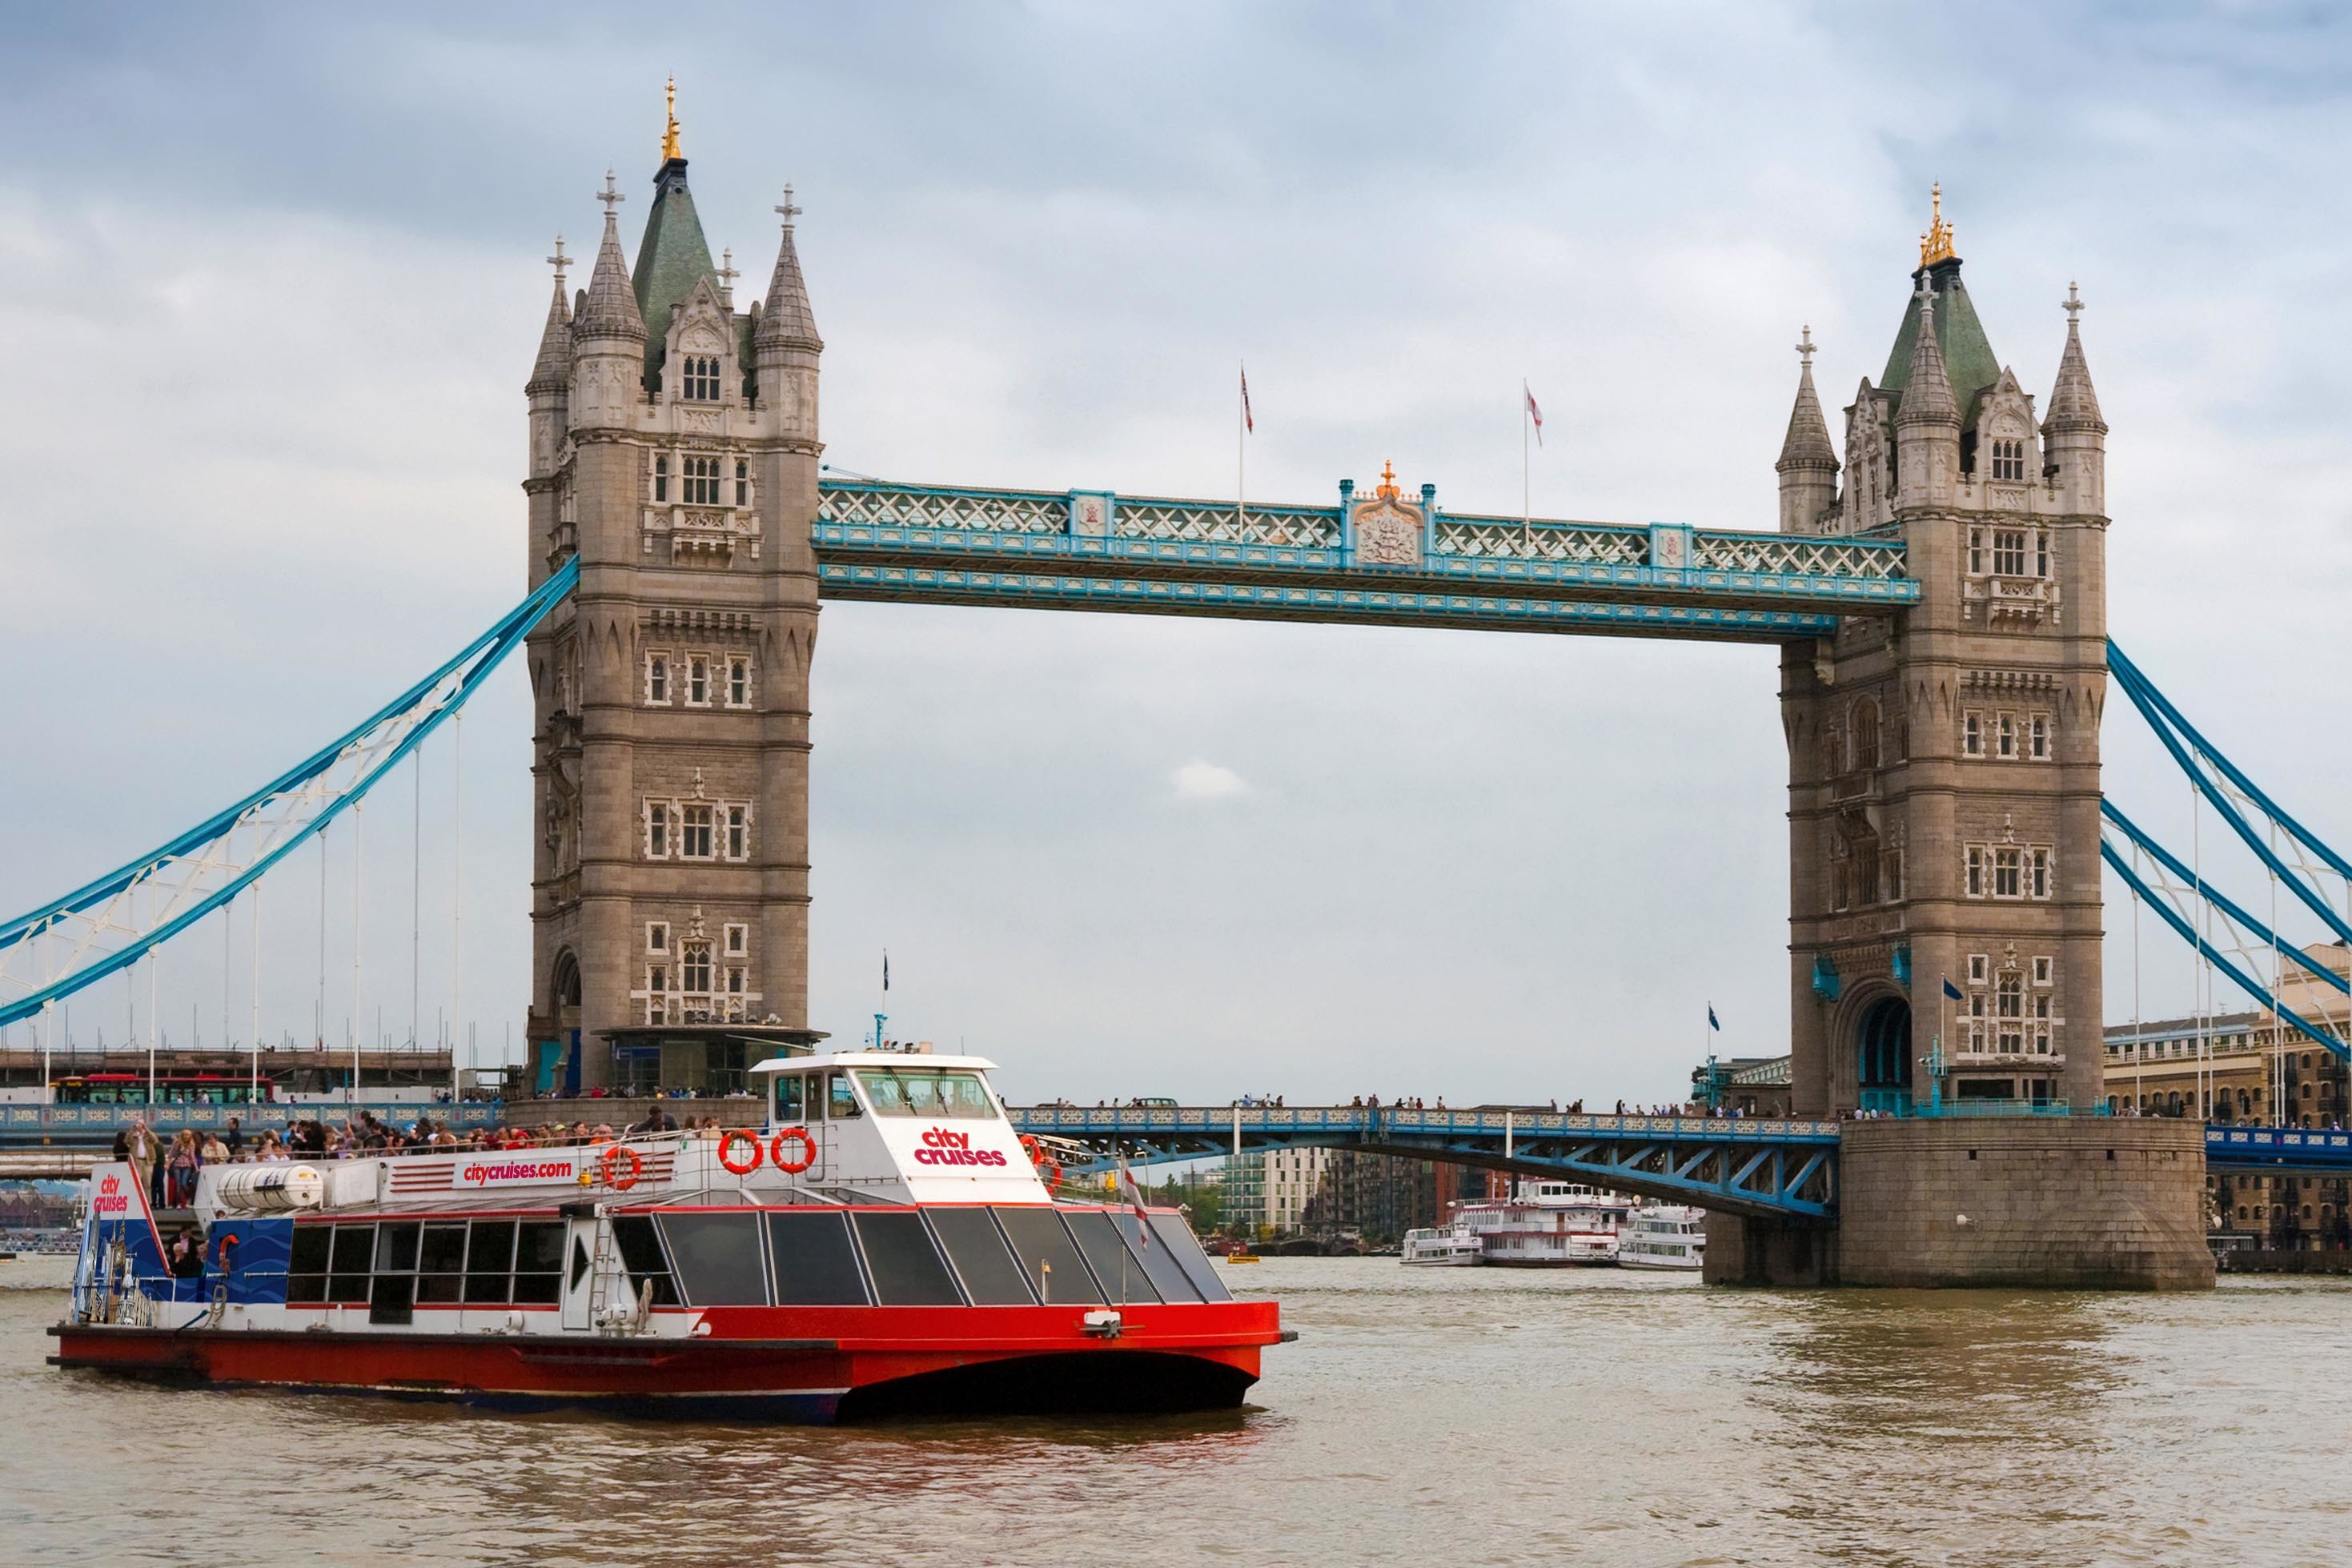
170 1169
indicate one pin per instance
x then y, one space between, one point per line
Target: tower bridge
1933 585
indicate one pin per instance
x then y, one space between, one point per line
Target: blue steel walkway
1767 1167
2230 1148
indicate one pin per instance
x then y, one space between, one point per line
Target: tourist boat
884 1244
1546 1225
1454 1246
1663 1236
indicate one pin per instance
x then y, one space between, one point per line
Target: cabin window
991 1276
717 1257
489 1262
1117 1269
815 1264
640 1255
1167 1277
788 1097
1182 1246
441 1265
840 1101
1049 1260
958 1096
354 1251
906 1270
392 1296
306 1267
539 1262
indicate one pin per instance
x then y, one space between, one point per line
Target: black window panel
1171 1230
395 1249
1118 1272
717 1257
354 1250
543 1289
539 1248
1047 1256
907 1269
993 1277
442 1251
641 1254
308 1253
816 1266
1168 1276
579 1262
394 1299
489 1259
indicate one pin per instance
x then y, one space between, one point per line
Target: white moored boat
1546 1225
1452 1246
1664 1236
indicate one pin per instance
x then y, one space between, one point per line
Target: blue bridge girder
2233 1148
1093 549
1767 1168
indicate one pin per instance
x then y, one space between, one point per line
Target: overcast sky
270 284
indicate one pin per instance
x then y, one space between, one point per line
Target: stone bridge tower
1944 762
673 447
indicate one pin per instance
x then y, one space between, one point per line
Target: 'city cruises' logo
111 1198
508 1173
942 1147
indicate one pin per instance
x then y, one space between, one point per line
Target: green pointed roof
1967 354
671 259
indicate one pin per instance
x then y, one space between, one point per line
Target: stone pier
2086 1202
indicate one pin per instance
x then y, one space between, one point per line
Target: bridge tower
1944 761
674 448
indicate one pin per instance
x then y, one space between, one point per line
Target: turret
2074 435
784 344
1808 464
1927 421
608 336
550 386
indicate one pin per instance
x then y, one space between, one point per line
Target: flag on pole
886 969
1952 991
1132 1195
1533 413
1249 420
1712 1021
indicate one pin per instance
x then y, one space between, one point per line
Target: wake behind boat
883 1244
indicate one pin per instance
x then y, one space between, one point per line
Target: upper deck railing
884 541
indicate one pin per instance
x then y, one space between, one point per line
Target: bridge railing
1364 1120
21 1123
2233 1144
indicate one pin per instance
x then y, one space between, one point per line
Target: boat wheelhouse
883 1243
1664 1236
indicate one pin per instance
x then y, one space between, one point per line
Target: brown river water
1425 1416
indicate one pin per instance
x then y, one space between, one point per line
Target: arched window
742 482
2009 459
700 382
661 477
1865 734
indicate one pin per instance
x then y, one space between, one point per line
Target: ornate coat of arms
1390 530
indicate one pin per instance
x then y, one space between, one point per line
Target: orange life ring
807 1157
609 1164
1031 1147
727 1140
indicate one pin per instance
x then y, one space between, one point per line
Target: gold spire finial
1936 244
669 137
1387 479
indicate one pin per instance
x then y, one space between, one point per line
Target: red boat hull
804 1365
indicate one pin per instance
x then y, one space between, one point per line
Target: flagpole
1526 505
1241 453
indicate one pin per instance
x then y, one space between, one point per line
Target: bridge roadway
1766 1166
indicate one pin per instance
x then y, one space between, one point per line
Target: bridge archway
1883 1055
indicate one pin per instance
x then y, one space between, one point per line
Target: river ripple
1425 1417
